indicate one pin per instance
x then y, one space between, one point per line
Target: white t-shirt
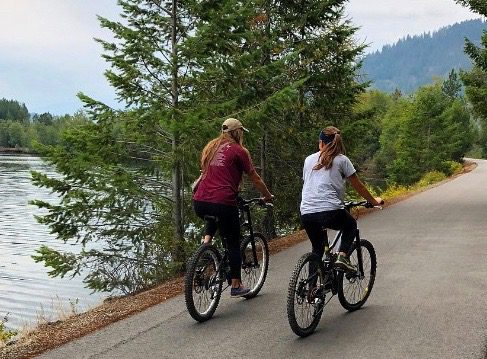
324 189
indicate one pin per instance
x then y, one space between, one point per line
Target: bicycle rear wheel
354 289
202 283
305 298
254 269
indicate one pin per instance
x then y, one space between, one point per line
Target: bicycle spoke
307 310
356 287
254 268
202 290
306 297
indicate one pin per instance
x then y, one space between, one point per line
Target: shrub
394 190
453 168
430 178
5 334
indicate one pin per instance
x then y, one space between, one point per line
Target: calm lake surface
27 294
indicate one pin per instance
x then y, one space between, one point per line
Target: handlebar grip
263 203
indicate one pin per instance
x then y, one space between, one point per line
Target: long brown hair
329 151
235 136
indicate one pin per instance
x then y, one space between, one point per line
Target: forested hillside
415 61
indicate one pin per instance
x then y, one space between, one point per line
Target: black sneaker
344 264
239 291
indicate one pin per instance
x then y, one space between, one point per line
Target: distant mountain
415 61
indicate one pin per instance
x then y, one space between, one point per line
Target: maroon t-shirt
221 181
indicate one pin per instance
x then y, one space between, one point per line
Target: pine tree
329 60
180 67
248 71
475 80
423 133
122 188
452 86
478 6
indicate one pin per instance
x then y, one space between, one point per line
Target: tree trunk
268 224
176 169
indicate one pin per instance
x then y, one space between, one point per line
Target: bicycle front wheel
254 267
353 288
305 298
202 283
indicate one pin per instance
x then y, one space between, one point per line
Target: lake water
28 295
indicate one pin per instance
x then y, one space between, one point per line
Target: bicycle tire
299 293
201 276
254 274
354 284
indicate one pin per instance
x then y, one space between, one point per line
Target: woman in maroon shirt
223 161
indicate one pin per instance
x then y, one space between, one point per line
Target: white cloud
50 31
48 53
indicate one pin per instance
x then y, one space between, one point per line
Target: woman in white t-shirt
324 174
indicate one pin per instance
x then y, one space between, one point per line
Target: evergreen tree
122 187
328 62
367 118
475 80
452 86
246 69
422 133
180 67
13 110
478 6
44 118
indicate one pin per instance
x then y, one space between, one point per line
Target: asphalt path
429 298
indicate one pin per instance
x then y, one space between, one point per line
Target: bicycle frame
338 235
245 210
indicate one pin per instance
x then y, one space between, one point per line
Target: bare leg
236 283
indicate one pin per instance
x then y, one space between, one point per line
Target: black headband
327 139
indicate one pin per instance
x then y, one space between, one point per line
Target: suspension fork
251 232
359 253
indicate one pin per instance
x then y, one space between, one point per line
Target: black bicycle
208 270
314 278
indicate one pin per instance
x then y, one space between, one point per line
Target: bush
430 178
453 168
394 190
5 334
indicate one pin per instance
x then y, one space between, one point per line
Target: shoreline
16 150
50 335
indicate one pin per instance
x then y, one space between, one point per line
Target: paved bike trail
429 298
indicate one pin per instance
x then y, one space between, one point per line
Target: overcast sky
47 52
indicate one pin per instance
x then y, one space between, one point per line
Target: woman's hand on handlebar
379 201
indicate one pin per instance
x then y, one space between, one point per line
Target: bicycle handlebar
366 204
259 200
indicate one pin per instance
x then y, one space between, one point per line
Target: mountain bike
208 270
314 279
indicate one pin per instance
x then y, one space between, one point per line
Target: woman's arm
363 191
260 185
